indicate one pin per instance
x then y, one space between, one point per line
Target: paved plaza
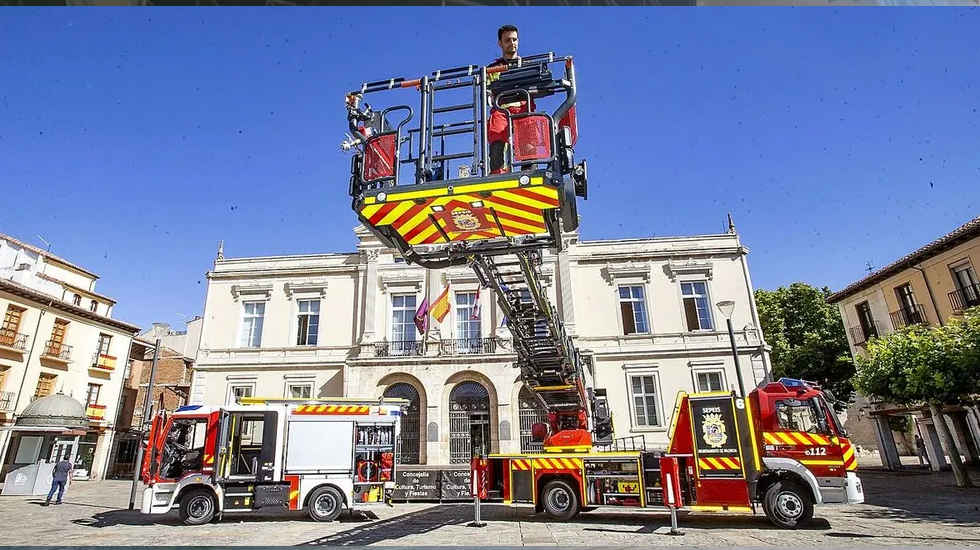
909 508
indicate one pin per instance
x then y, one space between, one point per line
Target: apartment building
931 285
328 325
58 337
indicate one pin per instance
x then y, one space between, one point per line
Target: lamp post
727 307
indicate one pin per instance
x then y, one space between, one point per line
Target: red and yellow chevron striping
208 459
467 214
795 438
850 461
523 464
719 463
332 409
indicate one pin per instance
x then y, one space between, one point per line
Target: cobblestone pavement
909 508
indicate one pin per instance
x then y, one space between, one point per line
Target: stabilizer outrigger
452 208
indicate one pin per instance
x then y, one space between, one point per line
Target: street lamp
727 307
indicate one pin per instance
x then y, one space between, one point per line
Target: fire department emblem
714 430
465 220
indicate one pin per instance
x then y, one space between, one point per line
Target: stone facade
664 336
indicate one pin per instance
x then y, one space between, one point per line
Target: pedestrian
59 478
920 447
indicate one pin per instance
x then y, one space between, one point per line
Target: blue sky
134 139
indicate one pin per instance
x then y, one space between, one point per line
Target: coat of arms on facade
465 220
714 430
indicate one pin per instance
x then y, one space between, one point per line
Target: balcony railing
965 298
11 339
908 316
57 350
860 337
398 348
95 412
101 361
468 346
7 401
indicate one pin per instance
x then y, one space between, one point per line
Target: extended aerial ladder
448 208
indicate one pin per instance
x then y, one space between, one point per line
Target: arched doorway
469 422
409 440
529 412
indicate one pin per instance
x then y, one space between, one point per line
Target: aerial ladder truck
421 181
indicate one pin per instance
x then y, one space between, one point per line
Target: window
800 416
644 392
93 305
92 397
308 322
252 324
238 391
467 327
403 323
967 291
76 300
57 337
867 321
45 385
632 306
709 380
11 324
299 391
104 340
696 305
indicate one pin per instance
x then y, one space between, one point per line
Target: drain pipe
931 297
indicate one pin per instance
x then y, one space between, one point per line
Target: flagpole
425 337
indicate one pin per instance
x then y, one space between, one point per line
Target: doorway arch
469 421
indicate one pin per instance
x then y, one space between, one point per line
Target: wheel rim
324 504
789 505
559 499
199 507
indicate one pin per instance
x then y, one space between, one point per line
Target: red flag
422 316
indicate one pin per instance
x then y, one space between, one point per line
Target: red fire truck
782 447
271 455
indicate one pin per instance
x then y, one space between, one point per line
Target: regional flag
441 306
422 316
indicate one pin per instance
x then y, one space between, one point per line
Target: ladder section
549 363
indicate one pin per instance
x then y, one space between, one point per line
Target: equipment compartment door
251 448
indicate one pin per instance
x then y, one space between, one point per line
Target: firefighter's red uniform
497 125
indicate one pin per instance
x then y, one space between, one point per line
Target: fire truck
271 455
424 182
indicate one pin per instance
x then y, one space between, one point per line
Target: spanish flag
441 306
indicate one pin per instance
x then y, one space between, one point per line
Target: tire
198 507
325 504
788 504
559 500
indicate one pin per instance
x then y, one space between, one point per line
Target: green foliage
807 338
924 364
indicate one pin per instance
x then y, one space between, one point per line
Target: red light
532 138
379 157
571 121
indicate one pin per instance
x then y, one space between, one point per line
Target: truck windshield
838 427
183 447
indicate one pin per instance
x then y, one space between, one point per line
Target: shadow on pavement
125 517
917 496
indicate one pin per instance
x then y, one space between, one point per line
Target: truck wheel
198 507
325 504
788 505
559 500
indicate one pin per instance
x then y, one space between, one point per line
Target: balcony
908 316
860 336
965 298
399 348
13 341
468 346
7 401
103 362
57 352
95 412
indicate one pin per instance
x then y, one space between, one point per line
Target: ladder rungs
451 157
451 108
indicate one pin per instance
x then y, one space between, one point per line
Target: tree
936 366
807 338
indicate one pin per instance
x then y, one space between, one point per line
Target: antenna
869 267
46 243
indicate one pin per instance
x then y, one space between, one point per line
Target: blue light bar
792 382
188 408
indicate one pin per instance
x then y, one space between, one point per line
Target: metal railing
398 348
7 401
102 361
965 297
859 335
468 346
907 316
627 443
12 339
57 350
